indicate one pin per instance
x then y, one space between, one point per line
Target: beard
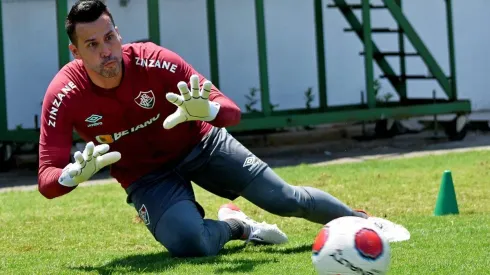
109 72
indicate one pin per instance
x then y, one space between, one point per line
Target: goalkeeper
159 125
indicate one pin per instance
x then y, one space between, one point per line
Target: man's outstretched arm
57 176
55 141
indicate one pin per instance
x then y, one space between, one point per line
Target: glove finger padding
88 151
100 150
107 159
206 89
79 158
184 90
195 86
175 99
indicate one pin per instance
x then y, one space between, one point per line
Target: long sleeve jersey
129 117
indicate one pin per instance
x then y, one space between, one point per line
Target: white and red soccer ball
350 245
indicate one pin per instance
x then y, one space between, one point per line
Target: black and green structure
269 119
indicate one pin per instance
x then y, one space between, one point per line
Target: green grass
92 230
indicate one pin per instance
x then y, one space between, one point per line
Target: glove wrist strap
213 110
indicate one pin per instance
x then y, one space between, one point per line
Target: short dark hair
84 11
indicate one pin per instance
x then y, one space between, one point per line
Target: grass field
92 230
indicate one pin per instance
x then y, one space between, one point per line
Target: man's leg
273 194
166 204
231 167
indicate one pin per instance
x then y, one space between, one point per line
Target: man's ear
74 51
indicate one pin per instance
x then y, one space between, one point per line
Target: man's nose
106 50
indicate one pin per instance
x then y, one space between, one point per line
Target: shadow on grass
163 261
286 250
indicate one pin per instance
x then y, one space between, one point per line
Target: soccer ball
350 245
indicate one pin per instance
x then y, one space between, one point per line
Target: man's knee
181 231
182 239
187 243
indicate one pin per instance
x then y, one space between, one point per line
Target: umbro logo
251 162
93 120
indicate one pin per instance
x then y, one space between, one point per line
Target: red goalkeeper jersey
129 118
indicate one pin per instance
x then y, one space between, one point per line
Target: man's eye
91 45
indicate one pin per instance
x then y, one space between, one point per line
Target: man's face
99 46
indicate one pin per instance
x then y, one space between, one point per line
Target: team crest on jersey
143 213
145 99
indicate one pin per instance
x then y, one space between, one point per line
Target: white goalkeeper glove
87 164
193 105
